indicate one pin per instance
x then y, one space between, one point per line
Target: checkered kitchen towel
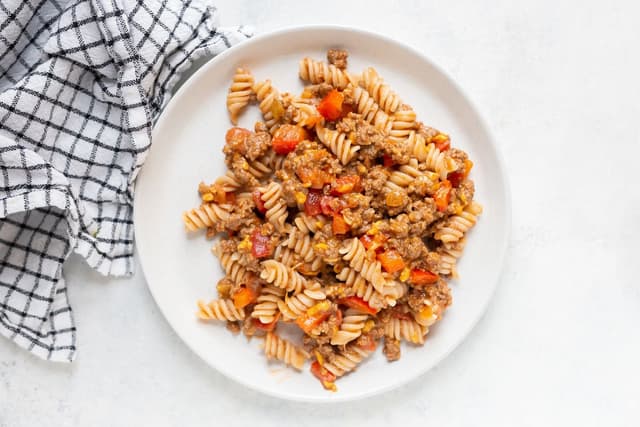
81 83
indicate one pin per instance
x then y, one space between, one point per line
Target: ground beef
367 134
422 186
463 195
257 145
239 165
391 349
395 150
338 57
439 294
421 215
410 248
430 261
374 182
234 327
399 226
319 91
415 298
249 327
242 215
426 132
347 125
395 202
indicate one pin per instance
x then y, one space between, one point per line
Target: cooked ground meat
426 132
338 57
391 349
375 180
257 145
410 248
439 294
421 215
233 327
249 327
319 91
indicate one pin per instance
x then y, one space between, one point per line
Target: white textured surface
558 83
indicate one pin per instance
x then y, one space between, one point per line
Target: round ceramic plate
187 149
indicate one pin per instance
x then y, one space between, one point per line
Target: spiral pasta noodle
294 306
449 254
282 276
350 328
405 175
347 360
269 99
220 310
306 224
234 269
207 215
403 122
370 110
338 143
266 308
388 100
239 93
454 227
285 351
405 329
355 253
362 288
321 72
276 208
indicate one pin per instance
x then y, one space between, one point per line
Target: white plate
188 140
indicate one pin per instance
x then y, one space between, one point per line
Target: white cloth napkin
81 83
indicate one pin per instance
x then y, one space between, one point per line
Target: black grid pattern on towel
81 83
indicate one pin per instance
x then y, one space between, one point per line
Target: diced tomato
442 196
230 197
456 178
260 246
332 205
321 373
236 136
314 316
391 261
346 109
357 303
345 184
442 141
422 277
313 177
339 226
373 241
312 204
387 161
243 297
268 327
257 199
366 342
286 138
331 105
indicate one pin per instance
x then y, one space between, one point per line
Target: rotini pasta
454 227
222 309
239 93
341 215
270 104
282 276
320 72
350 328
296 305
285 351
207 215
388 100
338 143
266 309
405 329
347 360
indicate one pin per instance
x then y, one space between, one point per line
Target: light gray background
560 343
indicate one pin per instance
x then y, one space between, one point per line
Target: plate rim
335 397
